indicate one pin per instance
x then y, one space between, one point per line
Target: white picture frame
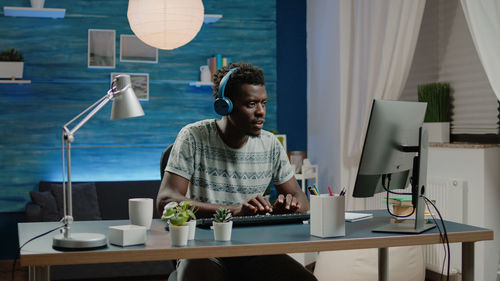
282 139
101 48
132 49
140 84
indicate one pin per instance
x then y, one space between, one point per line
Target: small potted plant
177 214
438 113
191 222
222 224
11 64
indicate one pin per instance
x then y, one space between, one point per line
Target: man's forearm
203 210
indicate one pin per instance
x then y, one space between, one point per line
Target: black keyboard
258 220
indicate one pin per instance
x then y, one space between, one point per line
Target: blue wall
292 72
55 52
269 34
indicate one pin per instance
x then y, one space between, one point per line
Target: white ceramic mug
140 211
205 75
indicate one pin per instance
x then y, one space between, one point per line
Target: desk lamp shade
125 105
165 24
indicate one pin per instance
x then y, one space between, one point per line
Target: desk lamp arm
67 139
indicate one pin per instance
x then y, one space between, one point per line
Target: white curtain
483 19
375 42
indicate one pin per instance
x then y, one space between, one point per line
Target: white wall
479 168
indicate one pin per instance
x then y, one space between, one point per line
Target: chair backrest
164 159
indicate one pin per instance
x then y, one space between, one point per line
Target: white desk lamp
125 105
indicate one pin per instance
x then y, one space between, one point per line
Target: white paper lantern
165 24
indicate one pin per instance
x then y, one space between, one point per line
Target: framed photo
132 49
282 139
140 84
101 48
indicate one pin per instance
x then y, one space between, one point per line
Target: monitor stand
419 179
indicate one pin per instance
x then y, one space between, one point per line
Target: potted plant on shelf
11 64
222 224
438 114
177 214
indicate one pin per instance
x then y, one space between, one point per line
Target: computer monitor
395 148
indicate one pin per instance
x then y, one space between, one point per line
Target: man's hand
253 206
286 204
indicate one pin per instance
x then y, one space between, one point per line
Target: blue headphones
222 105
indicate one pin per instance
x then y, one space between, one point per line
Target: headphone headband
222 105
223 82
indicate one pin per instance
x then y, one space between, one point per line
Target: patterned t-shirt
219 174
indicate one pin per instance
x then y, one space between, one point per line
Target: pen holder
327 215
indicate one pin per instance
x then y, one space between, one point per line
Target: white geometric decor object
439 132
165 24
127 235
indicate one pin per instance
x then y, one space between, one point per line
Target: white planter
222 230
192 229
438 131
179 234
11 69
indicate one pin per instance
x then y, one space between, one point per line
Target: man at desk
230 163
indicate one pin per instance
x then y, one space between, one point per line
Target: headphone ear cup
223 106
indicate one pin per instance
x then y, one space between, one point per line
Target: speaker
222 105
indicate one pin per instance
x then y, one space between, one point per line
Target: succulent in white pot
222 224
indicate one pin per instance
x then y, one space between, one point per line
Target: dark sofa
96 201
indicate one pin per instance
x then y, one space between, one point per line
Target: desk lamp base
79 241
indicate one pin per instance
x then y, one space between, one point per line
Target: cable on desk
388 177
19 250
444 238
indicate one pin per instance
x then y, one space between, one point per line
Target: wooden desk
263 240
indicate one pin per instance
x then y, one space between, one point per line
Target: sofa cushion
113 196
47 203
85 202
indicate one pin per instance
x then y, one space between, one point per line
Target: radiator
450 196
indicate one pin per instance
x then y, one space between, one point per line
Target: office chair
164 159
163 164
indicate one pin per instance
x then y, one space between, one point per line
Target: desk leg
383 264
39 273
467 261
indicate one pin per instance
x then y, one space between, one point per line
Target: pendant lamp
165 24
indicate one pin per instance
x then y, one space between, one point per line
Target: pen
316 188
311 190
342 193
330 190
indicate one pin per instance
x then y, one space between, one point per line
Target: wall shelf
199 84
15 81
211 18
33 12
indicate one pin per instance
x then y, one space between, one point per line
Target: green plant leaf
179 218
185 204
438 99
171 205
191 214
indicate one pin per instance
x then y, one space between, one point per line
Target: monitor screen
392 126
